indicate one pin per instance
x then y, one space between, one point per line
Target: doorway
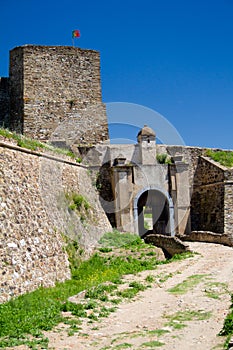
154 213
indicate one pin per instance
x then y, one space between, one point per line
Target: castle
53 94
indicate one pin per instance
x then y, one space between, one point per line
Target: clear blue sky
175 57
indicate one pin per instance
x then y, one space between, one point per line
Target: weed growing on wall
163 158
77 202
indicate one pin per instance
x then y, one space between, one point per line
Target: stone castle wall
55 92
207 202
228 201
4 102
35 215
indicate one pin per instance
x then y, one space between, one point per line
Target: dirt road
184 308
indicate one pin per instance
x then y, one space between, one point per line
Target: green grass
150 279
178 319
163 277
157 332
117 239
77 201
187 284
227 329
35 145
134 288
152 344
215 289
41 310
223 157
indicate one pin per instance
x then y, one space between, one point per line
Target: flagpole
75 34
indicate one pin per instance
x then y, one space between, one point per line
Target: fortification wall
228 202
35 214
4 102
207 202
56 90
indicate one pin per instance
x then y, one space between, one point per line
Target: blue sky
174 57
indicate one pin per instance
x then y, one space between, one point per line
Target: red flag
76 34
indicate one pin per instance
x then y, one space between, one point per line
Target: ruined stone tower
55 93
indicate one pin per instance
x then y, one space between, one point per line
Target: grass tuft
34 145
223 157
187 284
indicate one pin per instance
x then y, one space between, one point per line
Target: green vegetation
177 320
158 332
77 201
35 145
150 279
134 288
163 277
215 289
223 157
152 344
227 329
163 158
187 284
148 215
116 239
75 253
24 318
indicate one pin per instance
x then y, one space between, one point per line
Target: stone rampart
35 213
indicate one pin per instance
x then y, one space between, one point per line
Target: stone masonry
56 90
4 102
35 215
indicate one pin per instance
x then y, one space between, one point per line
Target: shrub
77 201
163 158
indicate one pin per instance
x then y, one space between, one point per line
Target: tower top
146 134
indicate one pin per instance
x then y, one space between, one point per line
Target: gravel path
158 318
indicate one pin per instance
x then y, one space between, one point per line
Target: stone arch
162 211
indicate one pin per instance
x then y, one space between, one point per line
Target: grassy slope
40 310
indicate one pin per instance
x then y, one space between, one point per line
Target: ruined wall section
207 201
57 90
35 214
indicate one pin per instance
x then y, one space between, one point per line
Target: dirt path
196 316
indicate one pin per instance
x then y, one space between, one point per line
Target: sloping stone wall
35 214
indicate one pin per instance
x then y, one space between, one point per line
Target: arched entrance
154 212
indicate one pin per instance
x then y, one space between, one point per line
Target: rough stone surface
55 92
207 203
208 237
35 214
172 245
4 102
